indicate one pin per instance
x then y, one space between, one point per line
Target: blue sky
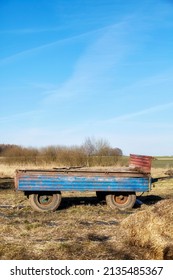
87 68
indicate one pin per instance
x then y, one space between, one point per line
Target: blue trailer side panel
46 182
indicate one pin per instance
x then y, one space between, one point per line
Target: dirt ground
84 228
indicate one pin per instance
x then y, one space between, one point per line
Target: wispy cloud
20 116
130 116
47 45
147 84
23 31
97 68
32 50
94 65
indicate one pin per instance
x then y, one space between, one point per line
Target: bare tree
102 147
89 146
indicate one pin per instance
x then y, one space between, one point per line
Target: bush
91 153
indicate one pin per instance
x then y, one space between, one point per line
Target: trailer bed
118 186
82 180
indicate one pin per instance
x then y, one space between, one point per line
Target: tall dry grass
150 232
8 170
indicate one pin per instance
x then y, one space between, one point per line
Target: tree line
92 152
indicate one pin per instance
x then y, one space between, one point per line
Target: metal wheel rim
121 199
44 200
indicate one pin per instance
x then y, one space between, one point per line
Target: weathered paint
143 163
81 181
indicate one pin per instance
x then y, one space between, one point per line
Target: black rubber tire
101 195
45 201
121 200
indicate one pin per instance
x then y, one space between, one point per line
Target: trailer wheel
45 201
121 200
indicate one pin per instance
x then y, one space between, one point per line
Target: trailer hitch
154 180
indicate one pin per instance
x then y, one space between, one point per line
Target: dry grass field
84 228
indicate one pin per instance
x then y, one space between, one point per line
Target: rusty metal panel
123 172
41 181
142 163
